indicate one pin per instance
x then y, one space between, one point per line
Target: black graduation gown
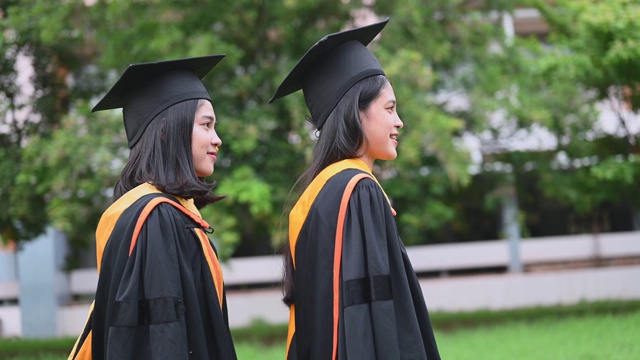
379 311
160 292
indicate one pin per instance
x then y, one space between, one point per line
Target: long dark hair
163 157
341 138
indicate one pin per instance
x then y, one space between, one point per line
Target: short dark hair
163 157
341 138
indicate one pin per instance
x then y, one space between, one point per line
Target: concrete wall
10 321
509 291
43 284
465 293
444 293
7 265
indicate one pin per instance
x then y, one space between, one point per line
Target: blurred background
516 183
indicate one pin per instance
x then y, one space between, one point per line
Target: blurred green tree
592 51
44 40
61 172
455 71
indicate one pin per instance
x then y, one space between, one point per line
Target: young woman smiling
348 282
160 291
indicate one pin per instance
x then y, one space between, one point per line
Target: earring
317 134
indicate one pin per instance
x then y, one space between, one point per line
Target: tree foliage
454 71
594 48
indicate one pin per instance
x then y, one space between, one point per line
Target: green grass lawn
590 337
606 330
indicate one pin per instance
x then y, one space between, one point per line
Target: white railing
263 272
441 257
266 270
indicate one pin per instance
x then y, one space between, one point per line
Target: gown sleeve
147 317
380 313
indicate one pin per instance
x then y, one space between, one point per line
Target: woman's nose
215 139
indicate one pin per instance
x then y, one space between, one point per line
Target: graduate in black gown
160 291
351 289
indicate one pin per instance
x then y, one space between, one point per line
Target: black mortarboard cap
330 68
145 90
